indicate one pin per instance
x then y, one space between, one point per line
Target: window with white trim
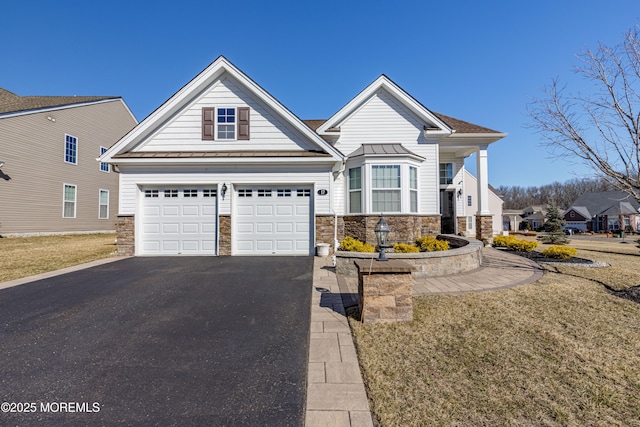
69 201
413 189
103 204
190 193
469 201
469 223
170 194
355 190
151 193
104 167
385 184
70 149
446 173
226 123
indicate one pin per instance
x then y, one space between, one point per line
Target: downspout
336 173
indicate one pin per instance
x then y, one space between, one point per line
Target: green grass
26 256
558 352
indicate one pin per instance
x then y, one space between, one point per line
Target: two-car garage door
266 220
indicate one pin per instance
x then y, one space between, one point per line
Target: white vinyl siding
69 197
103 204
400 125
268 131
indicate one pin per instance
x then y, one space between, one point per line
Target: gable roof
12 103
194 87
440 124
605 203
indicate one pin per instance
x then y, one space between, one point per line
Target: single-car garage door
273 220
179 221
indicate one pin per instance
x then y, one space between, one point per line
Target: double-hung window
355 190
103 204
226 121
413 189
385 184
71 149
69 201
446 173
104 167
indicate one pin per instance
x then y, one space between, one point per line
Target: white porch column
482 166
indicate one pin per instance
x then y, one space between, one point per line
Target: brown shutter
208 123
243 123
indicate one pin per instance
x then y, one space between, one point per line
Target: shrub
405 248
515 244
431 244
350 244
554 238
559 252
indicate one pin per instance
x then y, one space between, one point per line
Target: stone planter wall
466 256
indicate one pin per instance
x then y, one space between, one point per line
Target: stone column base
484 227
125 235
384 291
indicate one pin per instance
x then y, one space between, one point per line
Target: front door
447 210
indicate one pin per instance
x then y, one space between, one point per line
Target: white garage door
179 221
273 221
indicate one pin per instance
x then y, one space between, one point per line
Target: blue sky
477 61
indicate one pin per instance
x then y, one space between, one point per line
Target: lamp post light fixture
381 231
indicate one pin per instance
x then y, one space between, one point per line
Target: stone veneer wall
484 227
462 225
425 264
125 234
404 228
224 235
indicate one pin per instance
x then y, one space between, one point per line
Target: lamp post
382 235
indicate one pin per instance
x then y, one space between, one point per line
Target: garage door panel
191 210
262 210
171 210
173 224
277 225
170 228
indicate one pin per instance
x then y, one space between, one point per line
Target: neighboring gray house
603 211
50 179
223 168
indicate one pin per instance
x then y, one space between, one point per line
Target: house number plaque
322 192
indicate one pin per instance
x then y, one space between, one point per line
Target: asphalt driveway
159 341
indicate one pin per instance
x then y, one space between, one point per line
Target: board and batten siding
33 149
383 120
268 131
133 179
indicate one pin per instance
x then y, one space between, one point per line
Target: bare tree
601 129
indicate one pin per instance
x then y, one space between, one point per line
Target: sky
482 62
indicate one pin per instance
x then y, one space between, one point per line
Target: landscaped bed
562 351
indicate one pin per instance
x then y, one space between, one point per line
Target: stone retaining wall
466 255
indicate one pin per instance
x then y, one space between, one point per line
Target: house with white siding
223 168
50 181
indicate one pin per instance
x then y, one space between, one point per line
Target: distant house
512 219
223 168
604 211
50 179
471 207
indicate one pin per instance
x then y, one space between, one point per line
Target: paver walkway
335 392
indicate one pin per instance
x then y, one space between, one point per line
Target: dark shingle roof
605 203
382 150
12 103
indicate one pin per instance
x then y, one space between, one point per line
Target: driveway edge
48 274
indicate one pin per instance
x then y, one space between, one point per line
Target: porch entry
447 210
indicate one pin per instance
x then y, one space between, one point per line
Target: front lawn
561 351
26 256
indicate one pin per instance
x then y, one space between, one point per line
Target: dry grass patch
25 256
561 351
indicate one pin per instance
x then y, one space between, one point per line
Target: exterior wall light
1 164
224 190
381 231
